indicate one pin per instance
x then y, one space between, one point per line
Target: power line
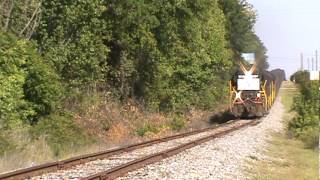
288 58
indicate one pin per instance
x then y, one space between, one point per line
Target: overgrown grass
92 123
37 152
61 133
178 122
287 96
147 128
287 158
5 144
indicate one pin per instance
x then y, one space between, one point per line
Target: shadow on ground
222 117
226 116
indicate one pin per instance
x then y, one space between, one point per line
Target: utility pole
312 63
301 58
316 60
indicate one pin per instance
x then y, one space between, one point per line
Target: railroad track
114 163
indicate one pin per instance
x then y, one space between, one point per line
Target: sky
288 28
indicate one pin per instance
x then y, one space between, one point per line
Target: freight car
253 91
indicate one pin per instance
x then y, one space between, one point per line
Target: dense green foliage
240 34
240 23
300 77
42 86
72 36
14 108
193 59
29 87
167 56
170 55
307 105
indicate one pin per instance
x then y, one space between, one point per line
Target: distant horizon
288 28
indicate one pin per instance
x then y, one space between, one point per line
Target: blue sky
288 28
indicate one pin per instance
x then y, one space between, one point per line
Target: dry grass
112 123
36 152
287 159
26 156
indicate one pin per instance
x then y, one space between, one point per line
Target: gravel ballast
223 158
96 166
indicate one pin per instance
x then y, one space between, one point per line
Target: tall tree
72 35
241 35
171 55
240 21
191 41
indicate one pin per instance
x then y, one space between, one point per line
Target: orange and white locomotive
253 91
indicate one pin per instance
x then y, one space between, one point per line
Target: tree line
166 55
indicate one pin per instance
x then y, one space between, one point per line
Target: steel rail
68 163
141 162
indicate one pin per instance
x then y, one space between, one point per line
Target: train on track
253 91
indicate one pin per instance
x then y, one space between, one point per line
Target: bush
5 144
14 109
42 87
305 126
29 87
300 77
147 127
177 123
61 133
310 136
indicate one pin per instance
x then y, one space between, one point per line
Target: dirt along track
96 165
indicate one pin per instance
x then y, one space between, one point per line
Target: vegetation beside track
305 126
287 157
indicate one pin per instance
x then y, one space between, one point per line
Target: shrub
300 77
29 87
42 87
177 123
305 126
61 133
5 144
147 127
14 109
310 136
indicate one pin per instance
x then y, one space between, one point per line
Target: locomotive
253 91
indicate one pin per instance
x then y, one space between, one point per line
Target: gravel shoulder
223 158
96 166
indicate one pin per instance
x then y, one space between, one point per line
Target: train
252 91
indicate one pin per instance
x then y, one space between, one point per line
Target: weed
178 123
5 145
147 127
61 133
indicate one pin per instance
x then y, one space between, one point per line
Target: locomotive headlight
258 95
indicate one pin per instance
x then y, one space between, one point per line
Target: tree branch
33 28
30 20
8 16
